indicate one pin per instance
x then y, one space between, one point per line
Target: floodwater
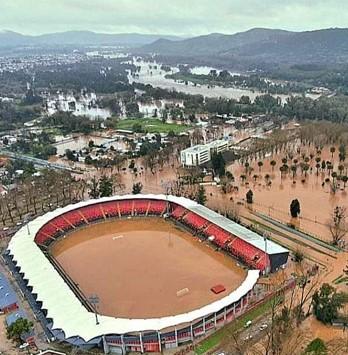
82 109
137 267
156 78
81 141
316 199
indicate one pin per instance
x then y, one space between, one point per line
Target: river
156 78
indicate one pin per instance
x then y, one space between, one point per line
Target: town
126 158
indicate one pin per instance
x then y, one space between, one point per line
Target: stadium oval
69 317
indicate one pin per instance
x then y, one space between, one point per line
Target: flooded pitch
142 268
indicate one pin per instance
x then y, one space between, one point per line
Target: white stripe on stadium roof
65 309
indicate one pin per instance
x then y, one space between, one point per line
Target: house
8 298
26 337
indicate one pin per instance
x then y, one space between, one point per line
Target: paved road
40 162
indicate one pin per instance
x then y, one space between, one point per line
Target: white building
200 154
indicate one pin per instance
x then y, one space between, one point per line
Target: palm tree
255 177
334 175
273 164
340 169
294 170
317 167
345 180
267 178
332 151
246 166
260 164
243 177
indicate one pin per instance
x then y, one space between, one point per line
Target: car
248 337
247 324
263 326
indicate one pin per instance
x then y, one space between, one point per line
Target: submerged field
137 266
151 126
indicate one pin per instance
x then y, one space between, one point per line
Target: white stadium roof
68 313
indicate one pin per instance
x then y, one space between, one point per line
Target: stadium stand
92 213
75 218
141 207
157 207
221 237
195 221
178 211
239 248
110 209
125 207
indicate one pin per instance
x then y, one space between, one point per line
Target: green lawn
215 339
152 125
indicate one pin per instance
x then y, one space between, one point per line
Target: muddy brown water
137 266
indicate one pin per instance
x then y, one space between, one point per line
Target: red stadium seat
125 207
195 221
140 207
178 211
247 252
221 237
157 207
75 218
92 213
110 209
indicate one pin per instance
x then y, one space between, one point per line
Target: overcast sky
181 17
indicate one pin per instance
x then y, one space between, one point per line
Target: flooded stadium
145 267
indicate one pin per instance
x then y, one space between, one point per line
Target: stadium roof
68 313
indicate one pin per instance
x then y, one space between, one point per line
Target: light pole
265 235
94 299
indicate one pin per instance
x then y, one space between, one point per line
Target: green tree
332 151
273 164
218 164
316 347
93 188
137 188
295 208
326 303
201 197
337 224
16 329
249 197
105 186
260 165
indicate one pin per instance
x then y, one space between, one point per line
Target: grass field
215 339
152 125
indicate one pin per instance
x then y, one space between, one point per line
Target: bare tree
337 224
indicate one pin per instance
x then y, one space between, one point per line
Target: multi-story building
200 154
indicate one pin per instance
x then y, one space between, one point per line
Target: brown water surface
137 266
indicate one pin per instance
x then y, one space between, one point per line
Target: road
40 162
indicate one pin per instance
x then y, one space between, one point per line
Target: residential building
200 154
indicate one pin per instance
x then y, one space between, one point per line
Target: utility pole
94 300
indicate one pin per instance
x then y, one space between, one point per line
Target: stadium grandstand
72 319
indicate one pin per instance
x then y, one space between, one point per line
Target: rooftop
7 294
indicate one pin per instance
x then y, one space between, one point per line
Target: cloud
183 17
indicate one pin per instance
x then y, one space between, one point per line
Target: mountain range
261 45
79 38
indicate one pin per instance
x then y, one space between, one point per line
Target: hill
261 45
79 38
